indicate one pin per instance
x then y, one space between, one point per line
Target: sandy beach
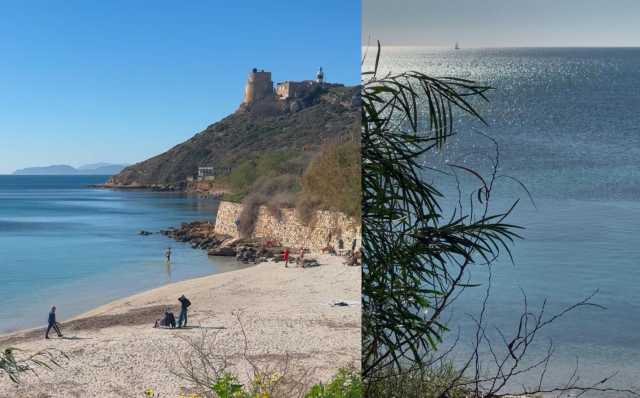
114 351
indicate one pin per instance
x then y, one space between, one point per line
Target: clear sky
502 23
120 81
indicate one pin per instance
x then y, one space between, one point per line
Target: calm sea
567 121
64 244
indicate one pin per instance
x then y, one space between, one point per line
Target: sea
567 126
66 244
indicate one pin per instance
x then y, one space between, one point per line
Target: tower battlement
258 86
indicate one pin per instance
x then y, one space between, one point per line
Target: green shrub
235 197
333 179
287 179
431 382
243 176
228 386
267 171
276 185
346 384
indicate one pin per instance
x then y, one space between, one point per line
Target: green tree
415 257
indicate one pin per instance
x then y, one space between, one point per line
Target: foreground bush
203 362
431 382
13 367
346 384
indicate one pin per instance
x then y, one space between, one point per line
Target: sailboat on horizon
456 47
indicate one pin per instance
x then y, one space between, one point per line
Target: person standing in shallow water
184 305
167 254
52 323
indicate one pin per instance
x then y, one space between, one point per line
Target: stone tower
259 86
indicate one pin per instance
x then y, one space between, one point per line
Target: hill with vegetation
297 128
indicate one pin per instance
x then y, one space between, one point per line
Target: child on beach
285 257
52 323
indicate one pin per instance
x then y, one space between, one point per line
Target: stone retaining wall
326 227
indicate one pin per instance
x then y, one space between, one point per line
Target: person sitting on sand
184 304
52 323
168 321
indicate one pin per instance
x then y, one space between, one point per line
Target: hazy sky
119 81
502 23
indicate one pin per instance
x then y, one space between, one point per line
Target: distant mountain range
63 169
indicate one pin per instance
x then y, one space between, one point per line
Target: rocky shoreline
206 190
154 188
201 235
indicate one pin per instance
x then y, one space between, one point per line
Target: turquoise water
64 244
568 125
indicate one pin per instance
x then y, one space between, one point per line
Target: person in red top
285 257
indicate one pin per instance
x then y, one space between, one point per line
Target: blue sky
502 23
120 81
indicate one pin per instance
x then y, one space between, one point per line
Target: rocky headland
295 124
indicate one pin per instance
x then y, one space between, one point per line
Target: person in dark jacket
184 305
168 321
52 323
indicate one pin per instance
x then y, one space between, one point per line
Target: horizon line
481 47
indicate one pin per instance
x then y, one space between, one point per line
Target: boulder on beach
223 251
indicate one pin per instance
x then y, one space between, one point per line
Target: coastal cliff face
270 124
288 230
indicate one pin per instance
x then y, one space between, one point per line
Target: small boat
456 47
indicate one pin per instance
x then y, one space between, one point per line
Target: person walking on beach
285 257
167 254
52 323
184 305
